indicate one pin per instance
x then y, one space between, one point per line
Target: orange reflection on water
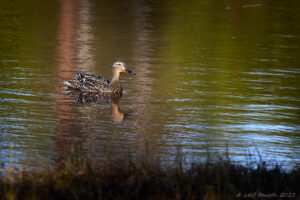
66 38
67 52
74 38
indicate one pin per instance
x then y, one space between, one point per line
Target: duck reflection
99 98
116 114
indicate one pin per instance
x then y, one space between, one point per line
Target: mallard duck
89 83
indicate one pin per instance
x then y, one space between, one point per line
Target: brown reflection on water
67 51
75 36
85 37
142 50
66 38
143 54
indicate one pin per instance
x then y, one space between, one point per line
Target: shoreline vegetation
81 178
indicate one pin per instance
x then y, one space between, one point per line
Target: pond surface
213 79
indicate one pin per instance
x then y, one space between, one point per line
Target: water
213 78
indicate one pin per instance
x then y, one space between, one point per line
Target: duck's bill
130 72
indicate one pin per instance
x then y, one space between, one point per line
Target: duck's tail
67 83
73 83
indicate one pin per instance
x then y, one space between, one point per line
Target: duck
89 83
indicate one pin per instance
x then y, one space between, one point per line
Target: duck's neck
115 85
115 76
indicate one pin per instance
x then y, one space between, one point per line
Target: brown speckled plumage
88 83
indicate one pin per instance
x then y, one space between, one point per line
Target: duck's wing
92 79
88 82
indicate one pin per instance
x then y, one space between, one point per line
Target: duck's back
89 83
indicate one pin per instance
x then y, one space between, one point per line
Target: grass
80 178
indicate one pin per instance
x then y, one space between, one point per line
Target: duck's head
121 67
